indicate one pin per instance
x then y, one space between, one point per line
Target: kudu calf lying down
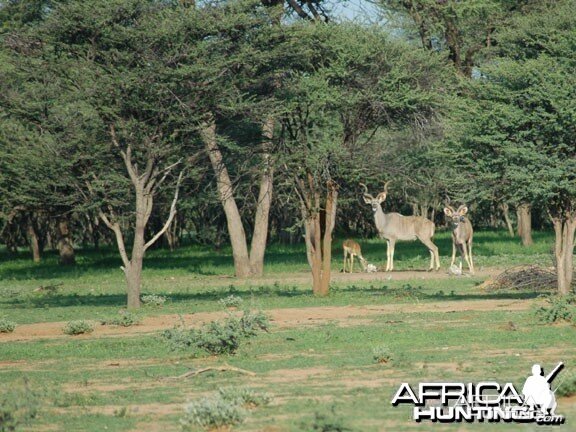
394 227
462 234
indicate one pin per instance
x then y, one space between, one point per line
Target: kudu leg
433 252
344 262
351 263
471 261
453 254
389 255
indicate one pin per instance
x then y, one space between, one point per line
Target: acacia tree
223 60
467 31
112 120
351 83
464 29
523 123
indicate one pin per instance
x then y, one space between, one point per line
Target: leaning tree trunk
564 228
524 213
245 263
65 244
225 194
506 213
262 217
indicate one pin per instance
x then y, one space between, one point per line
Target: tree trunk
524 213
170 235
318 244
34 243
225 193
564 228
65 244
133 274
133 270
506 213
262 217
331 201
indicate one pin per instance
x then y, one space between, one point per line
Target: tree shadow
405 293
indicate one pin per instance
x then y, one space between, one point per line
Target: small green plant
218 337
18 406
327 422
78 327
245 396
121 412
567 388
124 319
7 326
231 301
382 354
561 308
153 300
253 322
211 413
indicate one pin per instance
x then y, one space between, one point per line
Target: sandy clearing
304 277
281 318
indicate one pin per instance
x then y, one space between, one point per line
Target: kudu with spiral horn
394 227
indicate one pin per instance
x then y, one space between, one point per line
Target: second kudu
394 227
462 234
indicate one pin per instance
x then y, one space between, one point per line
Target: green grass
119 383
194 277
339 370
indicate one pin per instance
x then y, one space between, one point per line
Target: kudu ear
448 211
462 210
366 199
381 197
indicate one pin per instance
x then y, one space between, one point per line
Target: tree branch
170 217
126 156
224 368
298 9
119 238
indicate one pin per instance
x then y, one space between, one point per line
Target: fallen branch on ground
223 368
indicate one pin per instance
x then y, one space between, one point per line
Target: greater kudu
394 227
462 233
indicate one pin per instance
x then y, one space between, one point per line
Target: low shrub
245 396
326 422
227 408
382 354
18 407
218 337
124 319
211 413
153 300
567 388
560 308
78 327
231 301
7 326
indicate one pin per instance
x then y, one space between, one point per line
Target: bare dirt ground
282 318
381 276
